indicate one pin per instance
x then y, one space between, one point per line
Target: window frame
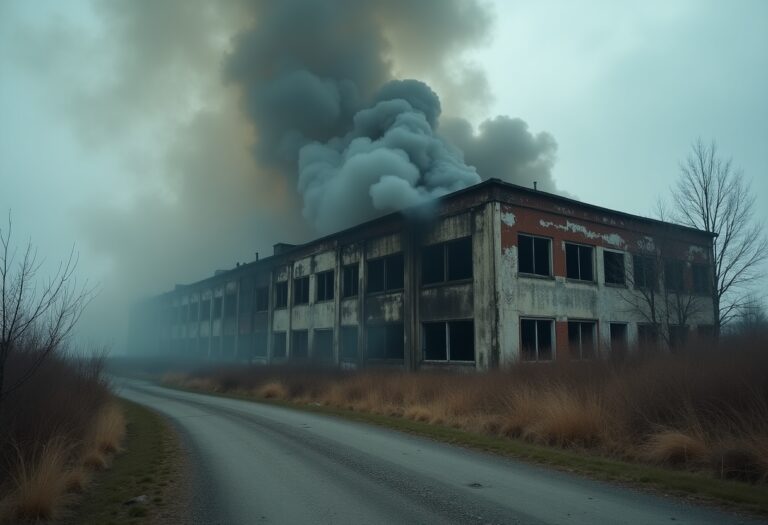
346 329
445 247
353 280
386 327
299 332
281 299
447 334
608 252
654 272
385 279
579 247
533 237
280 335
322 277
552 335
707 279
300 289
677 266
257 295
595 348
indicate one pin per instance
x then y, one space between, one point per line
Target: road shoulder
151 470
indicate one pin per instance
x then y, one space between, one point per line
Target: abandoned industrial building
500 274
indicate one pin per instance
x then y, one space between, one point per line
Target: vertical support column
289 333
270 314
337 277
362 331
410 299
237 318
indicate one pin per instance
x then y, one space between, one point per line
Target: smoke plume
239 124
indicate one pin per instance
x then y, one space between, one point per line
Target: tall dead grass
55 429
704 409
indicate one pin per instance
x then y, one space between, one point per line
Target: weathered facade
502 273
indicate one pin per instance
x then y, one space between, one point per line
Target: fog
170 139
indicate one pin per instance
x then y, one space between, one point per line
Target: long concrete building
501 273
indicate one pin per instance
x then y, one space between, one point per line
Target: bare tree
713 196
657 290
35 314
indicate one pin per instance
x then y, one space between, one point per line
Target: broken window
386 273
618 341
647 335
299 344
449 341
205 309
673 275
281 294
349 343
260 344
533 255
644 272
448 261
702 278
385 341
322 344
581 339
613 263
262 299
578 262
279 340
324 282
536 339
351 280
217 307
301 290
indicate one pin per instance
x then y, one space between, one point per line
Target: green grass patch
692 485
146 466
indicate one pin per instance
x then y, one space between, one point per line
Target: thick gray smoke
391 159
224 121
317 80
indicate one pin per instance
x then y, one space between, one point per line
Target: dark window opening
351 280
299 344
581 339
578 262
705 331
262 299
614 267
324 282
536 339
533 255
647 335
449 341
702 279
448 261
386 274
281 294
260 344
217 307
435 342
618 341
301 290
673 275
279 340
205 310
322 344
433 264
194 311
385 341
644 272
349 343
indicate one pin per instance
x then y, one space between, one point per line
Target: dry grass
706 409
54 430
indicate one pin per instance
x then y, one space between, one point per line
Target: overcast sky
623 87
